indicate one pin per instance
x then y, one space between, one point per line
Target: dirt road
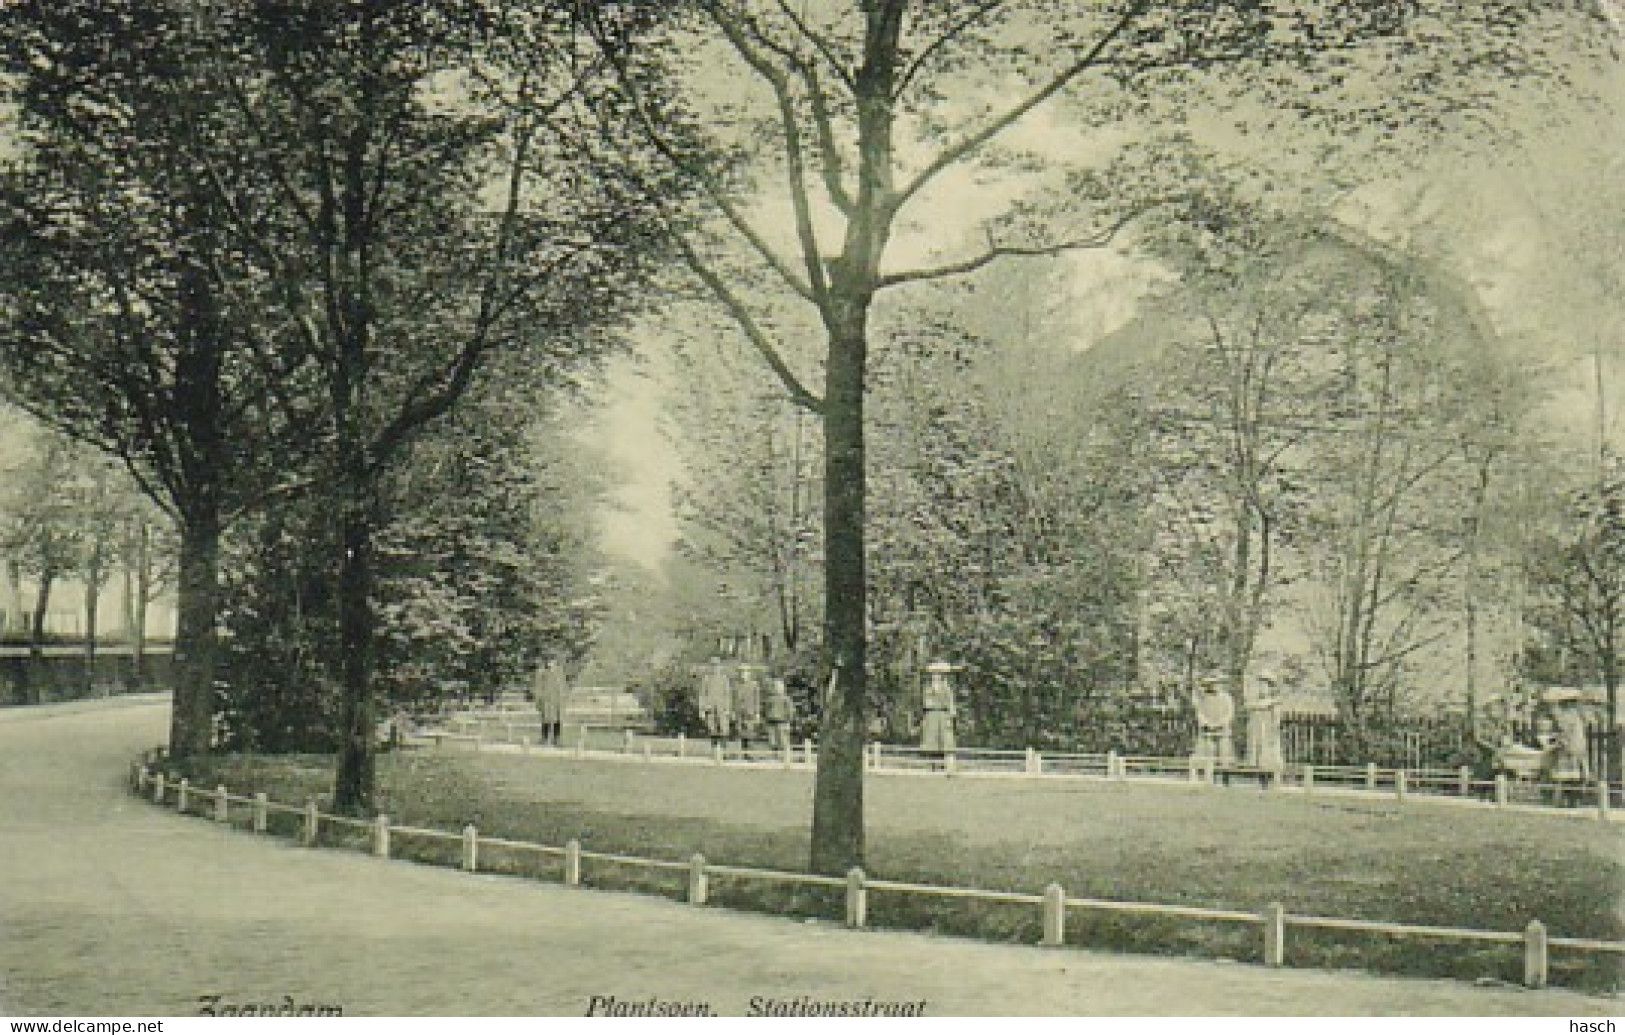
109 906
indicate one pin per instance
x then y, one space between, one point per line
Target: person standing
551 691
1264 724
747 703
778 710
1571 757
1215 720
939 708
716 702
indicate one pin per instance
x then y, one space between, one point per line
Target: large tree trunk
353 781
837 832
191 725
198 377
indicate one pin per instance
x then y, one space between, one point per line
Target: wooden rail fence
148 777
1596 799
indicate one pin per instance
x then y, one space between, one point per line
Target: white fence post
857 898
1308 780
471 848
1399 786
1602 799
572 862
158 788
1054 915
1031 763
789 752
1465 781
1371 776
222 804
1500 789
313 818
1274 917
181 797
1534 955
698 882
262 812
716 751
807 750
874 751
380 836
951 764
682 745
581 740
629 741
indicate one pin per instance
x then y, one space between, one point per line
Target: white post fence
1274 918
857 898
1535 942
1054 915
697 881
572 862
1534 955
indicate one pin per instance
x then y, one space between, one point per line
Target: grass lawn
1230 848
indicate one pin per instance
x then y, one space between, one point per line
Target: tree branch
980 11
708 183
997 251
821 44
831 163
747 323
811 255
1056 83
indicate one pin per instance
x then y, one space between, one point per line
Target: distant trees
1577 573
67 514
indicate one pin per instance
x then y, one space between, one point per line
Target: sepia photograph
836 509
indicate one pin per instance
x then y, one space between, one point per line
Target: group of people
1215 724
748 703
1560 734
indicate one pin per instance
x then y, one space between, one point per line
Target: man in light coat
550 690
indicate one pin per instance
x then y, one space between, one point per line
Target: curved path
109 906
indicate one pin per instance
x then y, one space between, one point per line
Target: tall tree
434 197
873 103
130 321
